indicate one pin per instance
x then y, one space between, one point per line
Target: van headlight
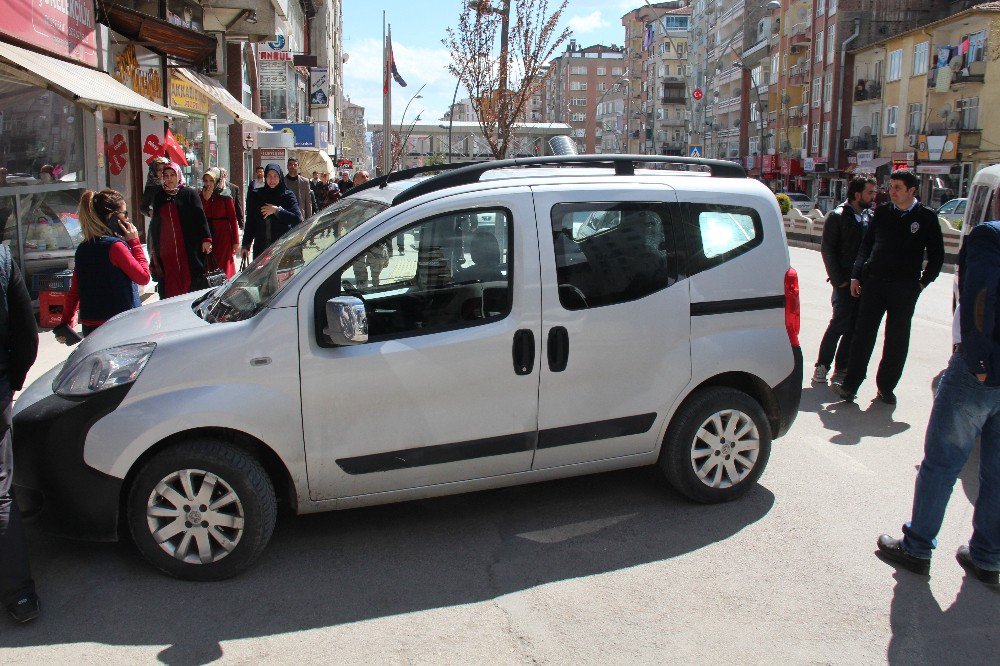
103 370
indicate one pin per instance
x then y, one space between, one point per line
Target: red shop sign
63 27
117 154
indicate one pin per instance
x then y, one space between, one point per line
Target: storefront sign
304 133
904 157
865 156
935 169
815 165
272 75
117 152
770 164
139 69
185 97
63 27
319 83
264 156
791 166
936 148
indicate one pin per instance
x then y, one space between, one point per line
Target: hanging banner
319 84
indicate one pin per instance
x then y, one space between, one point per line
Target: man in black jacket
887 277
18 349
843 230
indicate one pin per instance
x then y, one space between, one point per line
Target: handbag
213 274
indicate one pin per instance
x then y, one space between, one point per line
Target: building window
578 101
578 71
775 68
968 109
815 139
577 85
831 46
578 117
753 145
616 71
601 71
895 65
920 56
977 47
890 120
805 136
832 9
828 91
825 146
817 96
819 47
602 86
820 7
916 112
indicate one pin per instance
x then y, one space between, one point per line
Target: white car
576 316
953 210
800 202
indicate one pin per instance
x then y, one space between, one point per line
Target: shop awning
870 166
221 97
182 44
81 84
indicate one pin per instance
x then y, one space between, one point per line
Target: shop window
41 136
50 231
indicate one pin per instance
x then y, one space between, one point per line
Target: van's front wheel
202 510
717 445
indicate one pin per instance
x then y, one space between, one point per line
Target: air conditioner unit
795 49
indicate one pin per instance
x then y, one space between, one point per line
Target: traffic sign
694 150
697 94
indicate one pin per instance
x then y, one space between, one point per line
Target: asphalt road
612 568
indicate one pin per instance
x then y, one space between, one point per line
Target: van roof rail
404 174
624 165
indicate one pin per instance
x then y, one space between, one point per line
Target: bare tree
501 87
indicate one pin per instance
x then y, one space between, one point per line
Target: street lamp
402 118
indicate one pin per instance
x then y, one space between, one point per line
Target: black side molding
738 305
596 430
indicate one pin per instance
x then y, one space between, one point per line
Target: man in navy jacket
966 407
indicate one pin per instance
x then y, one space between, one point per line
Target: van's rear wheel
717 446
202 510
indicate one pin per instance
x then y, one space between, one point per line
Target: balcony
729 104
731 74
673 99
974 73
864 142
801 33
866 90
756 48
737 8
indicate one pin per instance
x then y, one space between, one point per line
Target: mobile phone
65 331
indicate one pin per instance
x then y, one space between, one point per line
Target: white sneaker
819 375
837 377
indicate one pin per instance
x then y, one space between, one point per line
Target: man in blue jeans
967 406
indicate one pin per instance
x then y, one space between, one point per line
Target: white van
550 317
980 208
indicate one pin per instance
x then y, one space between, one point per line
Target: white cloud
419 66
588 23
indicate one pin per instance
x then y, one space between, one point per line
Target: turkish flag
173 149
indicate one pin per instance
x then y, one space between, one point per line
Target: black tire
220 470
677 455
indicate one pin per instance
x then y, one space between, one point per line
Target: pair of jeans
964 409
895 300
835 347
15 573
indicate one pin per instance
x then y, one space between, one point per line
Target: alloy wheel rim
195 516
725 449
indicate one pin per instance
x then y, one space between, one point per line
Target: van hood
148 323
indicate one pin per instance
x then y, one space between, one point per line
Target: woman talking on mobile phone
109 262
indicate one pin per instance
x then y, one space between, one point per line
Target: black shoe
888 397
987 576
892 550
25 609
844 392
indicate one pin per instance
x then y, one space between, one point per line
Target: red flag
172 149
390 68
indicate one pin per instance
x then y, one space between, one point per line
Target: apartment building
577 81
928 100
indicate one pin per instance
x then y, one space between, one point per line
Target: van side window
455 272
609 253
718 233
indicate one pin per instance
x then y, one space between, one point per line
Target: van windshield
250 291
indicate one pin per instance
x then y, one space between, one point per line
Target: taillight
793 312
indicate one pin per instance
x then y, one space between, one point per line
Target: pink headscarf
176 168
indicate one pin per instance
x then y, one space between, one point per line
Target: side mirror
346 321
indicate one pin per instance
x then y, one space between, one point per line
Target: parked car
598 317
953 211
801 202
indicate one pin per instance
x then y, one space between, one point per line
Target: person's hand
981 378
128 229
236 248
244 253
61 339
206 247
855 288
268 209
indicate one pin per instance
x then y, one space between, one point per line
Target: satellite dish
945 111
803 13
347 56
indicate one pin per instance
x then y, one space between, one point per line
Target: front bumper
56 488
788 394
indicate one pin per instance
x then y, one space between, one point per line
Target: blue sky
421 58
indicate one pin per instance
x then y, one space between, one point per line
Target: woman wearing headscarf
109 262
220 209
153 184
178 236
271 211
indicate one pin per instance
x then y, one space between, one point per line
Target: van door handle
558 348
524 352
